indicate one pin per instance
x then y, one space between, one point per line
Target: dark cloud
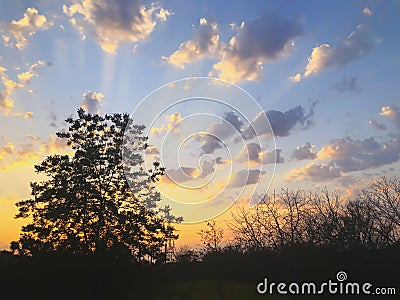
282 123
91 102
347 85
304 152
265 37
262 39
230 125
245 177
377 125
253 154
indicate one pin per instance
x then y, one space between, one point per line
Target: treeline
289 237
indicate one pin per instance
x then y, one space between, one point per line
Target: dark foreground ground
227 275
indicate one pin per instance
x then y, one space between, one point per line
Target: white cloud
204 44
358 44
295 78
19 31
367 11
116 22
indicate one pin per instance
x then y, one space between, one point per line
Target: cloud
245 177
152 150
314 172
112 23
6 103
295 78
54 145
392 112
27 151
347 85
358 44
28 115
91 102
20 30
9 85
304 152
353 155
173 124
6 150
282 123
263 39
367 11
231 124
163 14
185 174
204 44
253 154
377 125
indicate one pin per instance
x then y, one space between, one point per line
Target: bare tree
212 237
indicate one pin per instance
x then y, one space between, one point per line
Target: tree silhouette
212 237
87 204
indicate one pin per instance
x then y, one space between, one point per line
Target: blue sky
337 60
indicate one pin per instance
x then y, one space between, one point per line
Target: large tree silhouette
87 204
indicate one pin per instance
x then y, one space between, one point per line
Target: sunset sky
324 73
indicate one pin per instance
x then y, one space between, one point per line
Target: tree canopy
95 200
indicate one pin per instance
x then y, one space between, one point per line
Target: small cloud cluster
348 85
173 123
9 85
346 155
253 155
243 57
91 102
367 11
185 174
112 23
304 152
35 149
392 112
314 172
19 31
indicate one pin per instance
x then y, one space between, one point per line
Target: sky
238 97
